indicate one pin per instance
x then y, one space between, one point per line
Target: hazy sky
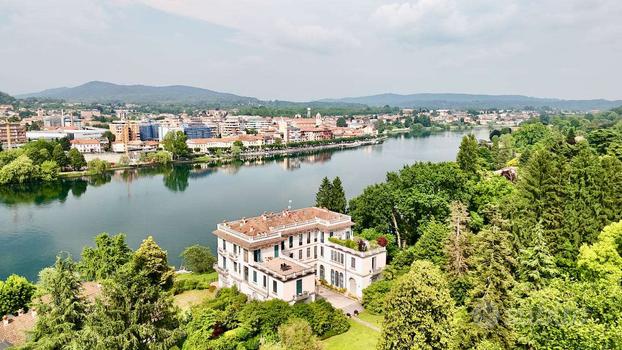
309 49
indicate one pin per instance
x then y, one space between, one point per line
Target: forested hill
98 91
6 98
465 101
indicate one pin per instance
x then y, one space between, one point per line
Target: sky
301 50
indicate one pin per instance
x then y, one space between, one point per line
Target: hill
98 91
465 101
6 98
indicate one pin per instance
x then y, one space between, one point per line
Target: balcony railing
302 296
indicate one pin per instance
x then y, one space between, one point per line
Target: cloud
444 20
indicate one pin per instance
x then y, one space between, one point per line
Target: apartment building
87 145
12 134
282 255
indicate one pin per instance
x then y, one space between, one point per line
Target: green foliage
468 157
19 171
133 313
296 334
15 293
98 167
530 134
325 320
602 260
76 159
198 258
108 255
341 122
175 143
264 317
537 265
432 242
59 156
331 195
61 317
49 171
159 157
375 296
149 259
193 281
419 311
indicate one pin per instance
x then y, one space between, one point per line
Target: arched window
332 277
340 279
322 272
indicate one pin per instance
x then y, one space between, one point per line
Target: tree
59 156
133 313
296 334
175 142
603 259
432 242
62 315
323 196
341 122
537 266
19 171
338 197
198 258
419 311
15 293
375 296
98 166
65 143
468 156
490 299
48 171
76 159
152 261
110 137
109 254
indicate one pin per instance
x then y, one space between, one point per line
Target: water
181 206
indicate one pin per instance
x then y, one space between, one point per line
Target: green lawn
376 320
358 337
190 298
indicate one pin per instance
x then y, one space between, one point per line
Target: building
123 130
197 131
282 255
149 131
87 145
204 145
12 134
315 133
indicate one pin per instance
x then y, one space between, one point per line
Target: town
125 131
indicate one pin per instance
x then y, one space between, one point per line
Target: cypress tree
323 195
338 197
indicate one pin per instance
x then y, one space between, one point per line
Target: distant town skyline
308 50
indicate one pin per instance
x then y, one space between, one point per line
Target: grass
193 281
358 337
376 320
188 299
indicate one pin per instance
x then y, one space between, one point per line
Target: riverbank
247 155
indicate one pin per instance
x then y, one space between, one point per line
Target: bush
374 296
193 281
15 293
198 258
325 320
98 166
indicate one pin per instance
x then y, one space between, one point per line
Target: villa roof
285 269
264 223
85 142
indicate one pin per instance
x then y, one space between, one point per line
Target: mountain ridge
100 91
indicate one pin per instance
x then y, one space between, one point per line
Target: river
180 206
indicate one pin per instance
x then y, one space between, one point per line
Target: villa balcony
302 296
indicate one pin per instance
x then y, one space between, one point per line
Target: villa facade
282 255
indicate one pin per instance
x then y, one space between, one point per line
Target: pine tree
133 313
62 315
458 245
419 311
323 196
468 156
338 200
536 263
611 186
491 299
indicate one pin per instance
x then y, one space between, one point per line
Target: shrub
15 293
374 296
198 258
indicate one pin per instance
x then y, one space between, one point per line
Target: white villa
282 255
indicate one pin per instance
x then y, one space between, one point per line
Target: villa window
308 252
322 237
353 263
322 252
308 237
274 287
300 239
322 277
300 254
224 263
265 281
332 277
282 245
235 266
276 251
255 276
373 263
257 255
291 241
315 252
224 244
315 236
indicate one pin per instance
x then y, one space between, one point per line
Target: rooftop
285 268
268 221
